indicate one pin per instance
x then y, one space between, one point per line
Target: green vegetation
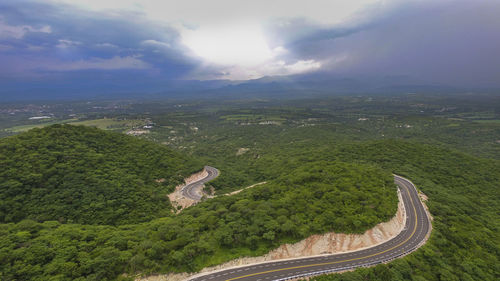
491 121
252 222
85 175
110 124
251 118
465 202
104 123
327 167
463 198
40 124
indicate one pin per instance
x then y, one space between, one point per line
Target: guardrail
345 268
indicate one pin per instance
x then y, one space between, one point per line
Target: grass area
251 117
491 121
24 128
103 123
109 124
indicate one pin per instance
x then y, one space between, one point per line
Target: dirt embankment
332 242
179 201
328 243
240 190
424 199
176 197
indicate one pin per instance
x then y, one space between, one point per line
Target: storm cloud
449 42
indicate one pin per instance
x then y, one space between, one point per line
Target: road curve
193 190
415 232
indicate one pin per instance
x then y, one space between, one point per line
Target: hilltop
86 175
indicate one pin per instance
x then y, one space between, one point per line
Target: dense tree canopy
464 200
315 198
85 175
320 178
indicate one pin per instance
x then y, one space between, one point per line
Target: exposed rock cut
332 242
178 200
242 151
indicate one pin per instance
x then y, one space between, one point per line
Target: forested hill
86 175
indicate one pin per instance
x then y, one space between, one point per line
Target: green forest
464 200
78 174
288 208
324 172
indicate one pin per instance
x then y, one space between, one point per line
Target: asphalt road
193 190
416 228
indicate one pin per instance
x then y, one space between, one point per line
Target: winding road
193 190
414 234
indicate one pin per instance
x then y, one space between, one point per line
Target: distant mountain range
295 86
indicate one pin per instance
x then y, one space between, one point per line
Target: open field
111 124
103 123
252 117
492 121
24 128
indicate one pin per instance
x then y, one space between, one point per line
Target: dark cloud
46 46
455 43
83 39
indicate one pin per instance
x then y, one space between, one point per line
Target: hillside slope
321 184
315 198
86 175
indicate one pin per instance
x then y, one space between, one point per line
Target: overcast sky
450 42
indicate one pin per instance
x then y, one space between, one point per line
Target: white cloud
155 43
228 34
201 12
105 45
18 31
302 66
228 45
271 68
65 43
113 63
